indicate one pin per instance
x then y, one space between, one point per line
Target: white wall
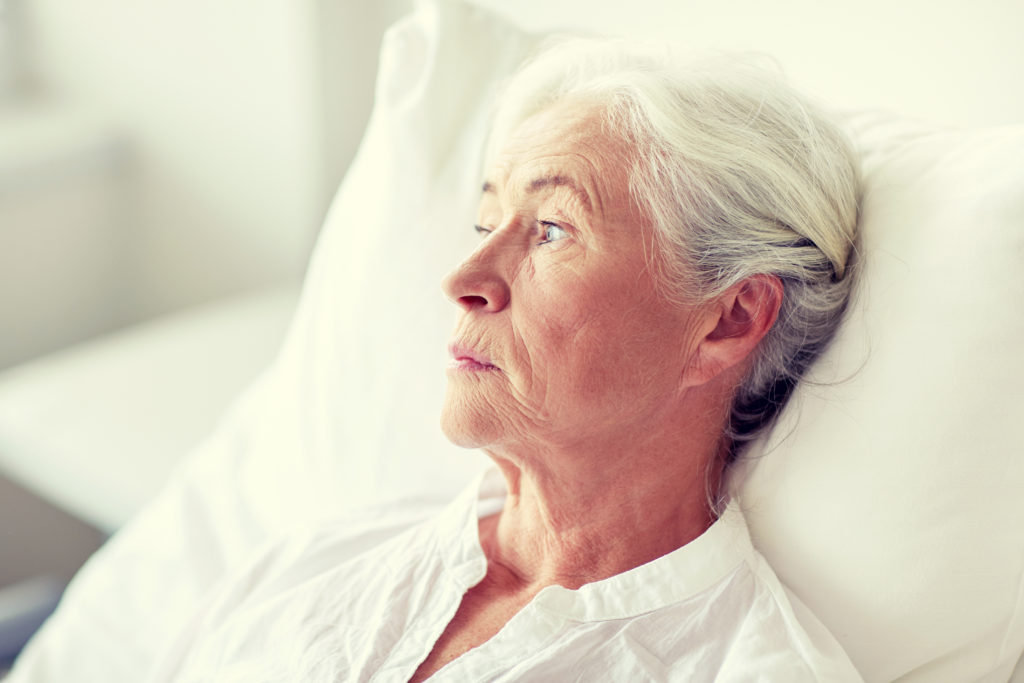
215 99
950 61
241 117
62 204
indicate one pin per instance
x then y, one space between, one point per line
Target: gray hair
739 174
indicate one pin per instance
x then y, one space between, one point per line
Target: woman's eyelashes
549 232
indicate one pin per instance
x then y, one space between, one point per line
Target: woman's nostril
473 301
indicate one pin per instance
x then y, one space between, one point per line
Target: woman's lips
471 365
466 358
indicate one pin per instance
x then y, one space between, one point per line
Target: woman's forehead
563 147
564 127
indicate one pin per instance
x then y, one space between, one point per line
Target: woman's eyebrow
542 182
560 181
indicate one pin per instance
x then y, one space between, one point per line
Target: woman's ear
733 326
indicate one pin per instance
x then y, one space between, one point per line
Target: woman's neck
572 518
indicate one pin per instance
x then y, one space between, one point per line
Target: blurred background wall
931 59
155 155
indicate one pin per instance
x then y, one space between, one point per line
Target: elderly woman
664 251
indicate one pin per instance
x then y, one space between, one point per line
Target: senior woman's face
563 336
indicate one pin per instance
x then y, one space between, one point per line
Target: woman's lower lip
471 365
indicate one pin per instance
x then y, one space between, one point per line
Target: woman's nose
476 283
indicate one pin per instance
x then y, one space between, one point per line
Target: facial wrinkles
527 161
508 417
522 414
583 202
558 338
549 320
534 377
636 334
509 253
563 355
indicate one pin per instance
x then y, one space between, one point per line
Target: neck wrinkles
560 527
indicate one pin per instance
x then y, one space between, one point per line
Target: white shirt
367 601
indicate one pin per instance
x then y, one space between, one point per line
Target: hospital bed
888 497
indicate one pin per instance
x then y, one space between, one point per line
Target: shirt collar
669 579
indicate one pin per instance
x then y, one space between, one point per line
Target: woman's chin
460 431
466 426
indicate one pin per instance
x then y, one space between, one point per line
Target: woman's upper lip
460 351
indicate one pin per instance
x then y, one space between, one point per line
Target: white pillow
890 497
348 414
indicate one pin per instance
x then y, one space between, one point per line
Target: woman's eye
482 231
551 232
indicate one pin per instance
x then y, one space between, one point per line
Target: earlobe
735 324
